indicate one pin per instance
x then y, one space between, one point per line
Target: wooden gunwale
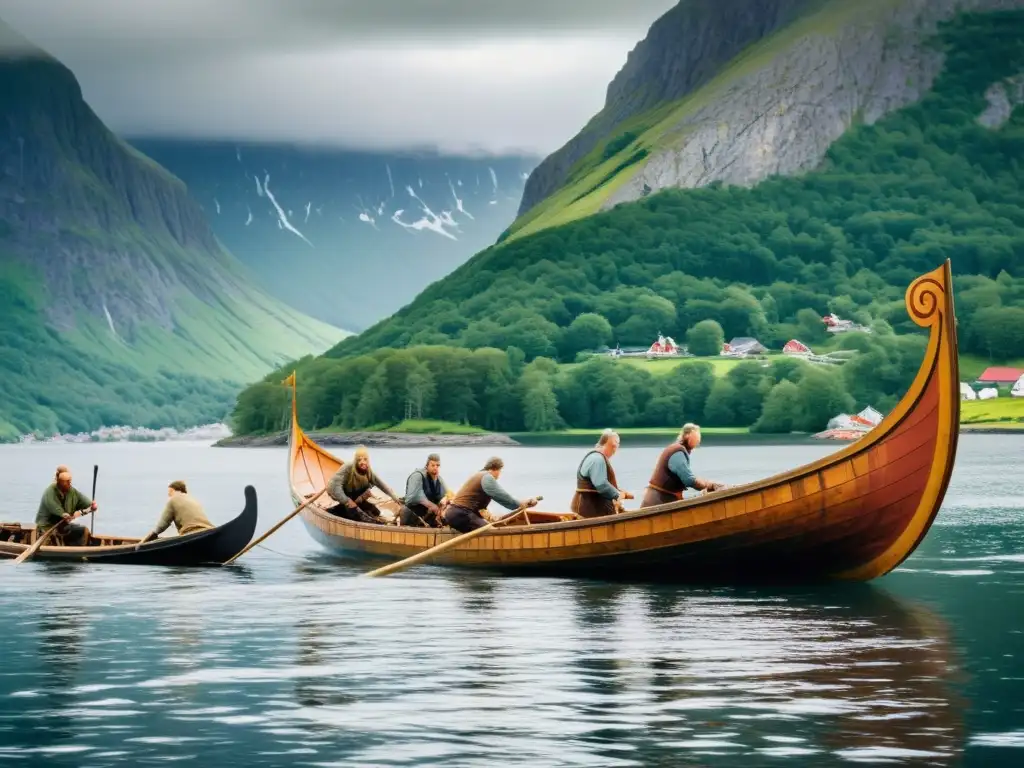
913 417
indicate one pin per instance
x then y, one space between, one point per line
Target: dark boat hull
211 547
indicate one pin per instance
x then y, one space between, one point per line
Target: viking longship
210 547
854 515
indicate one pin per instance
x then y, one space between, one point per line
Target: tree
373 398
999 331
419 390
540 407
705 339
720 410
811 327
587 332
821 396
781 409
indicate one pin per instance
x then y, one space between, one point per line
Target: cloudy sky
458 75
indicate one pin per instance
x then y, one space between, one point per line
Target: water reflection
848 675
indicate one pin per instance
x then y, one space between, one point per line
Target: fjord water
288 658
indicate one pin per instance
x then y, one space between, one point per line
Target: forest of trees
498 390
52 386
893 200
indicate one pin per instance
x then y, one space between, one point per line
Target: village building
744 346
835 324
794 347
967 391
1018 388
998 376
665 346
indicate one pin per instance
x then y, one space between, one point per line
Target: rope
280 554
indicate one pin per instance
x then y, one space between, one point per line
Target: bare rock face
1002 98
683 50
113 234
781 118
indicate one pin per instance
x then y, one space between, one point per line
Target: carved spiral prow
926 297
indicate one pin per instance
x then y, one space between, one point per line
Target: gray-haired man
597 492
672 474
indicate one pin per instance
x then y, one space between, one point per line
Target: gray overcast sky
459 75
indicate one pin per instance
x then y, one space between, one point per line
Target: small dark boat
210 547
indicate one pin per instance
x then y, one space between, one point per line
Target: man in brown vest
463 513
672 474
597 491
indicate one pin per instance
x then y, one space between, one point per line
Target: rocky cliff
699 101
106 251
683 50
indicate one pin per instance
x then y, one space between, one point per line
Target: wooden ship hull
209 547
854 515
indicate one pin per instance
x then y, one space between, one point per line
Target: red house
1000 377
794 347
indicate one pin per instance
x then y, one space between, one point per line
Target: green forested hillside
118 306
893 200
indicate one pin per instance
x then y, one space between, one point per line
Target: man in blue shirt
597 493
672 474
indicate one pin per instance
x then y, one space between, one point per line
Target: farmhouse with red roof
1001 377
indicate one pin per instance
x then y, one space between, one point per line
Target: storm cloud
455 75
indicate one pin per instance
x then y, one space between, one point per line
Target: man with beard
351 487
597 492
672 474
425 495
61 503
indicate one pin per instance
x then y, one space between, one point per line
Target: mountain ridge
345 213
102 248
774 108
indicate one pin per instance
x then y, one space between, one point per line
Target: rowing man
672 474
183 510
61 503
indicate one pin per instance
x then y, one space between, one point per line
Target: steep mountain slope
725 90
113 284
941 178
376 227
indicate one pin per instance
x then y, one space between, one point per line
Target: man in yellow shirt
183 510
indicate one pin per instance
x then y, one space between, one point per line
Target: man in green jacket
62 502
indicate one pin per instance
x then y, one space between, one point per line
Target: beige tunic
186 513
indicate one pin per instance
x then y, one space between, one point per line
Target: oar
427 554
39 542
289 516
92 514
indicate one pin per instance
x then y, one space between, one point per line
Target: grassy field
420 427
1004 411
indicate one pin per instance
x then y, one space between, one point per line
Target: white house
988 393
967 391
1018 388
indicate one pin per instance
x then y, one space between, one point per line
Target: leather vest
663 479
583 483
471 495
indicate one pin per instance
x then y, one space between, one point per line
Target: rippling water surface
289 659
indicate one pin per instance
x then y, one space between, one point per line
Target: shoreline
370 439
528 439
